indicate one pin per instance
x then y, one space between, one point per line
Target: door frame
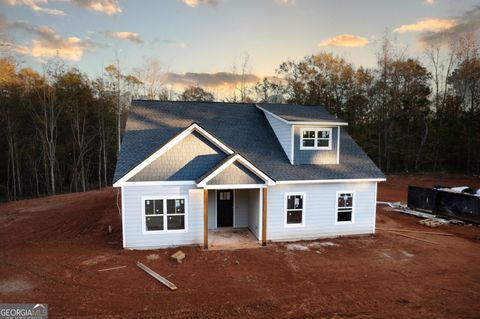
216 207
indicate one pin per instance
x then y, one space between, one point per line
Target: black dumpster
443 201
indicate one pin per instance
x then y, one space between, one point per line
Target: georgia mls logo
23 311
39 310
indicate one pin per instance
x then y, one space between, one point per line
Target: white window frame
352 221
316 129
285 224
165 216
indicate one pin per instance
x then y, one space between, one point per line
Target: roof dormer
307 134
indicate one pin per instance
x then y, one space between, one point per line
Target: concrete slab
231 239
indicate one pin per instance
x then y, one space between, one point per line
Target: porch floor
231 238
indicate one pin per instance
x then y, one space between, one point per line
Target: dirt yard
52 248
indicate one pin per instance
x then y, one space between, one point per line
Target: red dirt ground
52 248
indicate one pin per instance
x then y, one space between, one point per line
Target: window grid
163 215
316 138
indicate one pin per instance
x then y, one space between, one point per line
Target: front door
225 208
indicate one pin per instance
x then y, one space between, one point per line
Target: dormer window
316 139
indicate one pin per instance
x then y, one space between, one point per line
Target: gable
189 159
235 173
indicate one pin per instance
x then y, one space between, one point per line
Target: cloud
34 5
47 42
176 44
433 25
345 40
125 35
429 2
287 2
108 7
208 79
196 3
466 24
9 46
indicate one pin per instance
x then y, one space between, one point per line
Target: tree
196 94
151 77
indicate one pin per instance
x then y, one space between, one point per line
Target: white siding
212 209
283 131
132 210
320 214
241 208
254 211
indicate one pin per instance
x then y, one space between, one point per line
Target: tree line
61 131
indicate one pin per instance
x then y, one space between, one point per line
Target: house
284 172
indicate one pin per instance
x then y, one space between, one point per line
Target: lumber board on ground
113 268
161 279
415 238
414 231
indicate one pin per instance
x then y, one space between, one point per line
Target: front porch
232 238
235 218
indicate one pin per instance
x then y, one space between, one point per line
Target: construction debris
402 208
161 279
178 256
416 238
113 268
414 231
430 222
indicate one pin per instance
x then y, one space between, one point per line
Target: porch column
205 218
264 217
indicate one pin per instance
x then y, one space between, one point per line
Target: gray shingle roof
243 127
300 113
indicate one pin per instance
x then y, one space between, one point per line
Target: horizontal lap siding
241 208
254 211
132 210
320 215
283 131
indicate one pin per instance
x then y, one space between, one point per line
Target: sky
199 41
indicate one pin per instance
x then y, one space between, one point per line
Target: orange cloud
126 35
344 40
71 48
434 25
195 3
108 7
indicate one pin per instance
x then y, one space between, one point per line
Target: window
295 209
224 196
164 214
345 207
316 139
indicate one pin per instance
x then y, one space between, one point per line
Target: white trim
300 122
159 183
292 160
123 217
315 139
260 213
165 223
354 198
233 208
304 201
235 186
242 160
321 181
169 145
375 209
338 144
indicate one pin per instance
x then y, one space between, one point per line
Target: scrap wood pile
429 220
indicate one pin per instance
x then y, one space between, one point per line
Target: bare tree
152 78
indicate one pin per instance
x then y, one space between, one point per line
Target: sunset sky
205 37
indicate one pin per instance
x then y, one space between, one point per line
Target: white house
285 172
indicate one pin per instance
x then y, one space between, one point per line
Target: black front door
225 208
